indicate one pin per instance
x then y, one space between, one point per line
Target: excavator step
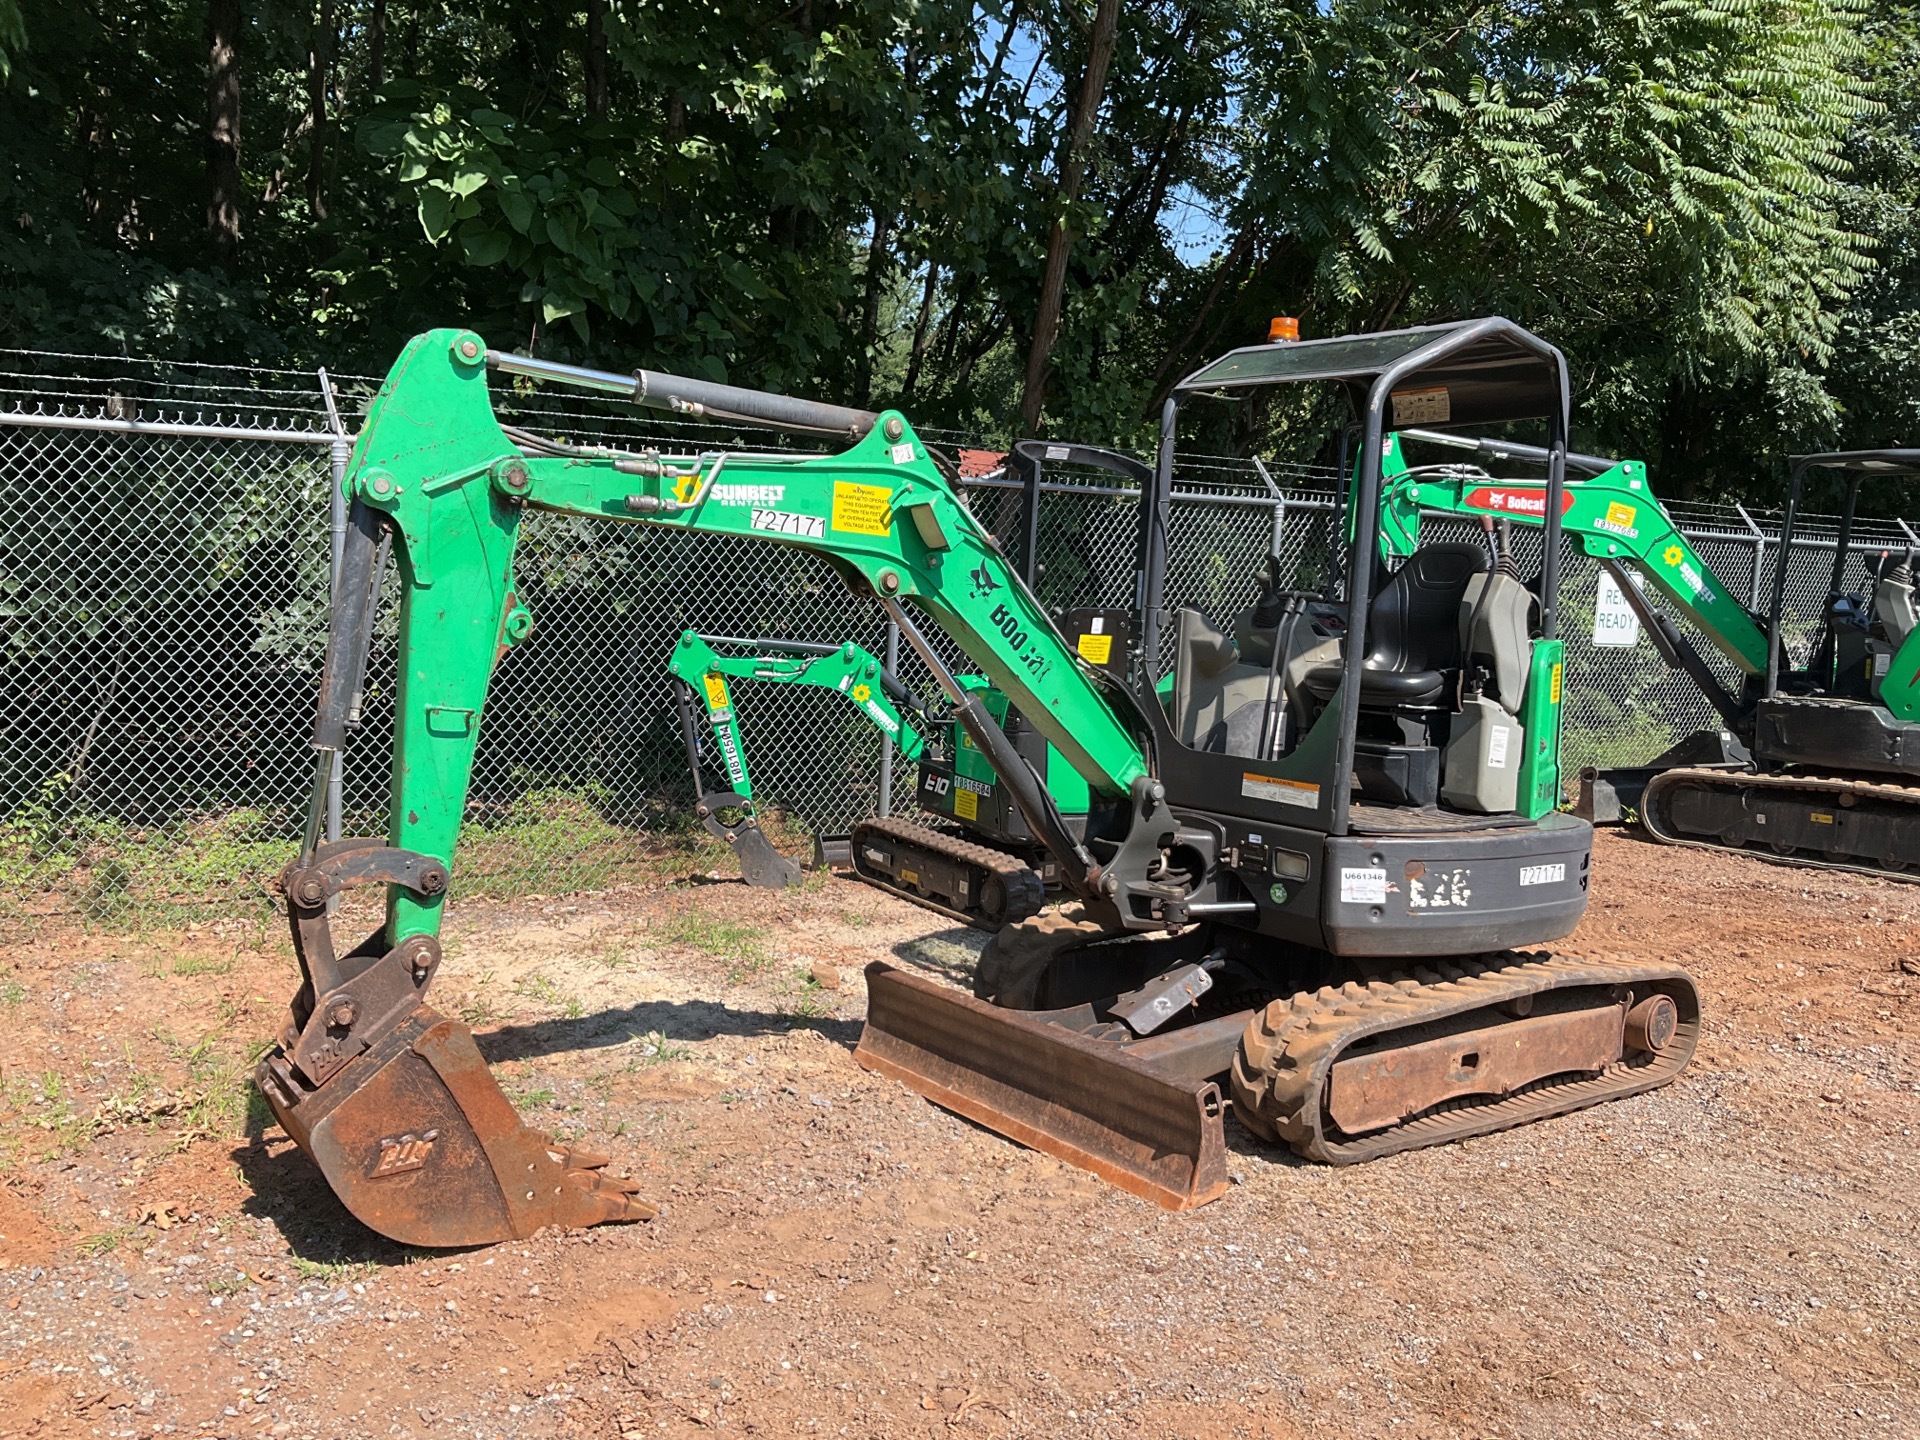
1083 1101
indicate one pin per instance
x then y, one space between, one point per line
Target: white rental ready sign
1614 622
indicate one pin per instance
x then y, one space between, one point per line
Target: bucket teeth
611 1199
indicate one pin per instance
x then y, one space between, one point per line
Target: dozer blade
1083 1101
419 1143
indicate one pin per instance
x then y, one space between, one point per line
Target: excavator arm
393 1100
845 669
700 674
434 463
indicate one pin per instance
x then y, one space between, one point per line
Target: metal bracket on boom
348 1002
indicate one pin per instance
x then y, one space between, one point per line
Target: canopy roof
1862 462
1470 372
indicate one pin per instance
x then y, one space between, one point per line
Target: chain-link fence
164 575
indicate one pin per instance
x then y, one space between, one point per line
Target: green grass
478 1011
653 1048
614 957
540 988
812 1003
231 1283
12 992
183 967
330 1272
108 1241
218 1079
743 945
206 867
126 877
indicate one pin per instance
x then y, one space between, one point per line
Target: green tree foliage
1709 204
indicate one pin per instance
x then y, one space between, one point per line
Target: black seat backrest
1414 622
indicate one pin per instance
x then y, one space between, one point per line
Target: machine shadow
684 1021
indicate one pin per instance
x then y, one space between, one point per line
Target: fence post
892 653
341 448
1759 556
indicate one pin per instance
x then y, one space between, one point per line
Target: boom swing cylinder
1206 880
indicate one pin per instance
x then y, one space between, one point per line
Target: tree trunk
223 129
1053 283
319 58
594 62
922 328
870 314
377 46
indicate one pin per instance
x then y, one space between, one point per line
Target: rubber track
1281 1071
1880 790
1017 872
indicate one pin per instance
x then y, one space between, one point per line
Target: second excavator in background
979 862
1814 765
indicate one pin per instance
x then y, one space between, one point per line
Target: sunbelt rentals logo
1676 559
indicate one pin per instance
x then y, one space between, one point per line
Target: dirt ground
1732 1256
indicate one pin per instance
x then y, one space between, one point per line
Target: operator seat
1413 632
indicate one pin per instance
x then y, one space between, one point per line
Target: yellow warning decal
1553 684
716 691
862 509
1821 817
1621 515
966 804
1095 648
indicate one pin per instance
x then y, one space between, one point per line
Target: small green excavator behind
1303 870
1811 766
964 873
982 864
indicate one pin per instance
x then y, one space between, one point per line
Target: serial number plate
1542 874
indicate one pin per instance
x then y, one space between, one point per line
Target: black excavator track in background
1834 822
971 883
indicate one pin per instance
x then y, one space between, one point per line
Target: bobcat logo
401 1153
983 583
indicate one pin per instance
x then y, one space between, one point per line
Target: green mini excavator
983 864
1304 868
1810 766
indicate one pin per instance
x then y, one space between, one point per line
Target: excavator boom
389 1097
